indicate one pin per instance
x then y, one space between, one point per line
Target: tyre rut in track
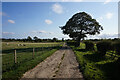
62 64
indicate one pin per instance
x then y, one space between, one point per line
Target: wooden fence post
33 53
15 57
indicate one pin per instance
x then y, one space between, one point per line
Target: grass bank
96 67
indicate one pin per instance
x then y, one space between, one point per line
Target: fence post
15 57
33 53
42 49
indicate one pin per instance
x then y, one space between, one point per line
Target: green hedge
116 47
103 47
89 45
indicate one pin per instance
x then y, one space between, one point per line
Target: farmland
92 64
25 57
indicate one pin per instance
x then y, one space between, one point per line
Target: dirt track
62 64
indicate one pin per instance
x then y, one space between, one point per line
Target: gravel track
62 64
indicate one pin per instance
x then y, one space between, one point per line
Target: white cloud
48 21
108 36
72 0
50 32
64 36
7 33
57 8
33 32
107 1
11 21
45 32
109 15
103 36
106 16
3 14
42 32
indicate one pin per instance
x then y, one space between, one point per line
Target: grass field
25 58
96 67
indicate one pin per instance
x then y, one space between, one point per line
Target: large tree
80 25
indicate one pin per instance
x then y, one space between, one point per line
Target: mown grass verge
96 67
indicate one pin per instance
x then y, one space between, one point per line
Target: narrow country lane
62 64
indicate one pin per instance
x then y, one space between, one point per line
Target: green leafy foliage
80 25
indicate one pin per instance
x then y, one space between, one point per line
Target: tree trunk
78 41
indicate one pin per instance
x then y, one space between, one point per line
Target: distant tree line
95 40
34 39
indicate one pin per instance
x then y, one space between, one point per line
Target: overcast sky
42 19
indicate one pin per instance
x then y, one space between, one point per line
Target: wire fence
19 56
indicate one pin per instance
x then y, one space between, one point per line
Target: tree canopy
29 38
80 25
